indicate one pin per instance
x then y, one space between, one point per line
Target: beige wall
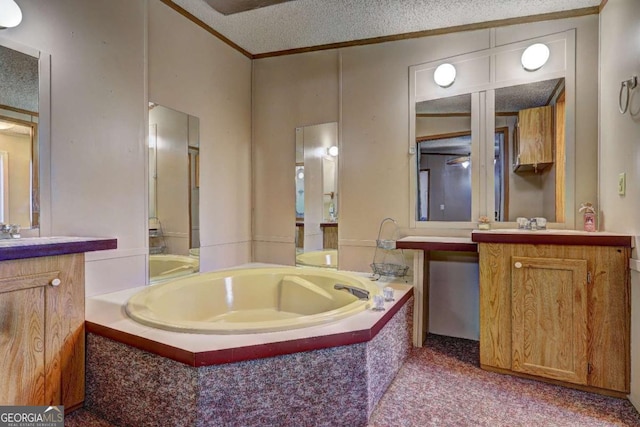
372 100
620 147
99 126
192 71
288 92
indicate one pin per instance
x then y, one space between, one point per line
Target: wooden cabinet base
559 312
70 409
590 389
42 331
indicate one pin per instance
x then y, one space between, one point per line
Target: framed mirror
24 137
174 237
496 142
316 186
443 138
530 180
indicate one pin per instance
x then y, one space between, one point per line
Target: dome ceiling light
10 14
535 56
445 75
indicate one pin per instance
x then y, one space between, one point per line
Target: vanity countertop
34 247
437 243
552 237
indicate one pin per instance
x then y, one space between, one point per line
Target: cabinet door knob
56 282
518 264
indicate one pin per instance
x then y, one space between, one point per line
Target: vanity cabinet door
563 314
22 366
42 331
609 318
65 330
549 315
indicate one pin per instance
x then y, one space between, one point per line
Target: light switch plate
622 183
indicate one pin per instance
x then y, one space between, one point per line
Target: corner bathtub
326 259
249 300
164 267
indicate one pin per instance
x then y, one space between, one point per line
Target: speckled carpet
442 385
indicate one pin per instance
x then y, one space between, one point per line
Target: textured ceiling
228 7
18 80
13 129
508 99
305 23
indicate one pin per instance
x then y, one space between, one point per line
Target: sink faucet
9 231
355 291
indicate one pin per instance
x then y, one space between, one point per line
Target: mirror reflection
316 178
528 161
443 135
533 116
174 237
19 178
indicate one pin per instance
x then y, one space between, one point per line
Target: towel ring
628 85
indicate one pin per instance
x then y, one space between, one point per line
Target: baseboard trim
605 392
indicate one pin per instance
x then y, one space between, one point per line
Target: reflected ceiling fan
465 161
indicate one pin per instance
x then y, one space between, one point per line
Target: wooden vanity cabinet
42 331
534 139
558 312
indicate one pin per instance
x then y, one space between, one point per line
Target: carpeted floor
442 385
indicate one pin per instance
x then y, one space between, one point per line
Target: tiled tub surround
331 375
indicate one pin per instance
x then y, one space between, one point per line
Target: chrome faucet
9 231
355 291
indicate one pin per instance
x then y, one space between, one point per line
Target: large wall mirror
495 143
24 132
316 186
443 137
174 163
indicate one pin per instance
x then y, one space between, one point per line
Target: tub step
255 315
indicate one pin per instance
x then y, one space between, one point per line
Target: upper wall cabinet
534 139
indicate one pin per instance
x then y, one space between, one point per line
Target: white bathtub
325 259
166 267
249 300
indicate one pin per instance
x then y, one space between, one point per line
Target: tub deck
332 374
105 316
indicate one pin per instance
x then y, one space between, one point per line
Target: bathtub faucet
356 292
